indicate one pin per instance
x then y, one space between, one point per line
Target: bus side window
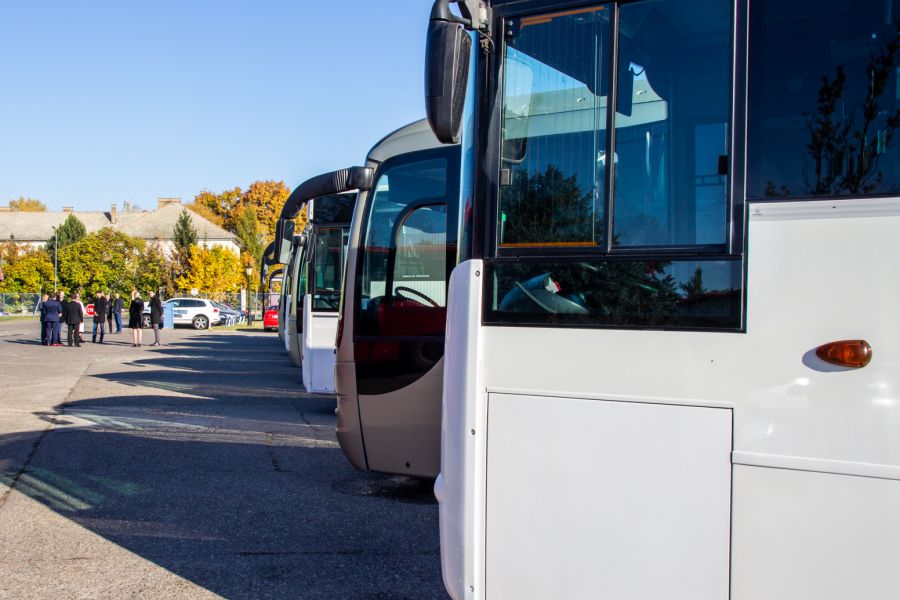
420 262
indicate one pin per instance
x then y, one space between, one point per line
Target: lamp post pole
249 271
55 256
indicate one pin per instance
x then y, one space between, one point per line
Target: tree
129 207
214 269
24 272
246 228
109 260
694 285
268 198
27 205
71 231
216 207
184 235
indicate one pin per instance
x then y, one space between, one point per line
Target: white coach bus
403 246
672 358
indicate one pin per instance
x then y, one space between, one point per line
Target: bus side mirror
447 51
284 238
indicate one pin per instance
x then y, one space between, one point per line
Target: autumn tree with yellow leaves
265 198
213 269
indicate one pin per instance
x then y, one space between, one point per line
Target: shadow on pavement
238 485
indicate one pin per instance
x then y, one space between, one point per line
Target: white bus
403 246
312 292
672 360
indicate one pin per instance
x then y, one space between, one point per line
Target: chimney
4 209
167 201
112 214
67 209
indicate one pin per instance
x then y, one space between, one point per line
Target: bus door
297 291
407 250
320 312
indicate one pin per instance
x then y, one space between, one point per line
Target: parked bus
403 245
670 367
311 290
316 269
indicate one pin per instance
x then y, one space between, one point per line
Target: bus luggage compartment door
631 500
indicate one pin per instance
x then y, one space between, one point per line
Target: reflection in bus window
678 293
672 106
823 113
420 263
672 127
554 132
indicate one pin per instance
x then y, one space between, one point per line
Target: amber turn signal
849 353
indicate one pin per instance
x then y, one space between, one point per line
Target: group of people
55 310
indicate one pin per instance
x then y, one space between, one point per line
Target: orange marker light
848 353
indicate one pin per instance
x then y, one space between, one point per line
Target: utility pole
55 256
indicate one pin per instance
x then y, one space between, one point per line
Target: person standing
156 315
135 315
117 305
99 316
52 312
80 325
74 317
39 309
109 317
62 320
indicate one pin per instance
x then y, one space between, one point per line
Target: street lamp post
55 256
249 271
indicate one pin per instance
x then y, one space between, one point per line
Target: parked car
196 312
227 311
270 319
230 307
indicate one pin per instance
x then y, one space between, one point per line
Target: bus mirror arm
336 182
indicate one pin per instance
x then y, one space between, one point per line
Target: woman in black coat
135 312
156 315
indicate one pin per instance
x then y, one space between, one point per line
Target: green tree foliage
185 234
129 207
246 228
110 261
548 207
28 271
72 230
27 205
694 285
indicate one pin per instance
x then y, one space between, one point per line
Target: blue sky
104 102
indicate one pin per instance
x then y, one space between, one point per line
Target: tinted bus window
671 124
406 246
328 268
823 92
647 294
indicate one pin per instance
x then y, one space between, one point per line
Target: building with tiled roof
156 226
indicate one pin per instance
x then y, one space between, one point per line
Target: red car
270 320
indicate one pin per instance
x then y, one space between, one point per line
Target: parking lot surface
198 469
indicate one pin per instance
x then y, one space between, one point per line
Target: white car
197 312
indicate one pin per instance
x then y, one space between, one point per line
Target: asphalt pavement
199 469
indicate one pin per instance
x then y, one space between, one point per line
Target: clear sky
104 102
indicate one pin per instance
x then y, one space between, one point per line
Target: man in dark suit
156 315
100 308
52 311
117 306
60 297
39 309
74 317
109 317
